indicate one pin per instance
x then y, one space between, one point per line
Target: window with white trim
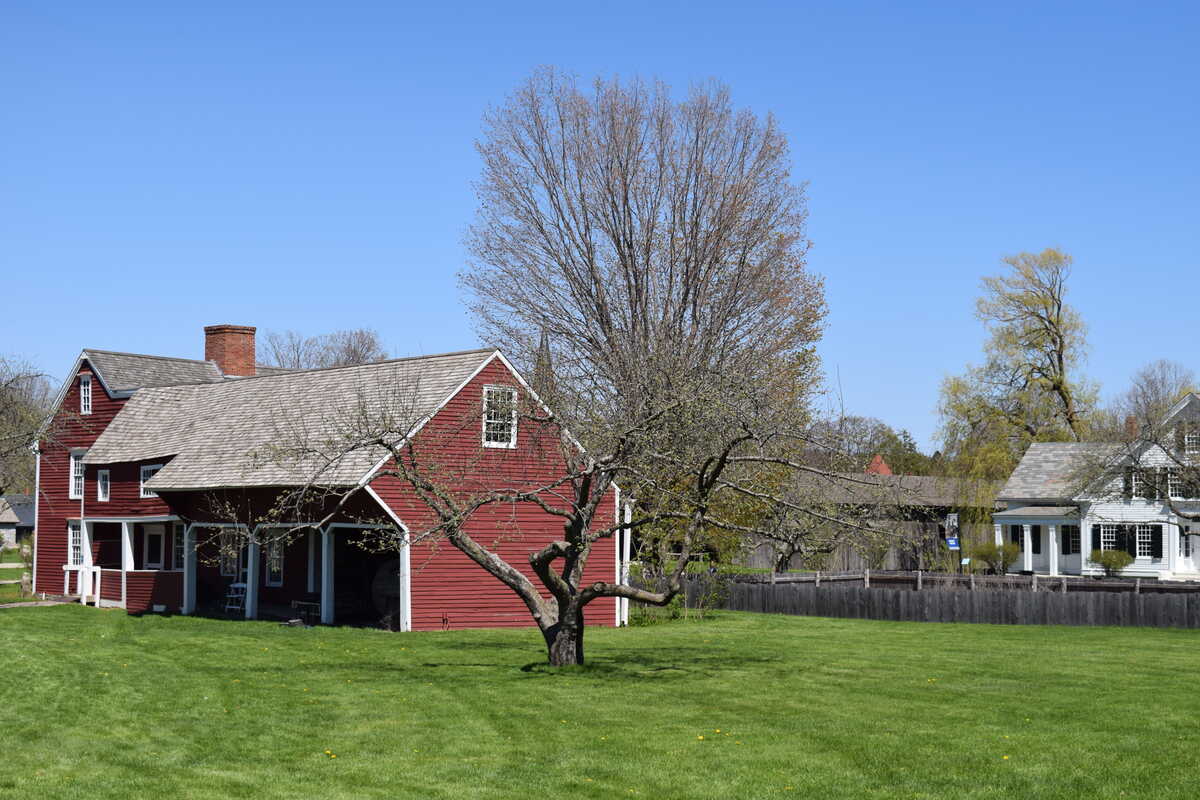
152 547
273 563
1191 443
75 490
1071 539
1145 541
177 547
85 394
1174 483
148 472
103 485
1108 537
74 544
1137 482
499 416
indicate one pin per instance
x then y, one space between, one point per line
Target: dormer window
148 472
499 416
85 394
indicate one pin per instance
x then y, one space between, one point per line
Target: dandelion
1005 758
701 738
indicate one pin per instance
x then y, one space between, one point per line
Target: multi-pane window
148 472
1145 541
1137 482
76 486
1174 483
74 544
499 416
274 563
1071 539
1108 537
103 484
1191 443
85 394
177 549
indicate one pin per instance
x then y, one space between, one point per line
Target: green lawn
11 592
97 704
10 555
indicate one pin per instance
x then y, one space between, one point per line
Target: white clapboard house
1066 499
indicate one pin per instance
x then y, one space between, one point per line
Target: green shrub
1113 561
998 557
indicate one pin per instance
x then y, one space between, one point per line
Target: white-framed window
75 489
1071 539
1191 443
273 563
74 544
1174 483
1108 537
103 485
1137 482
1145 541
177 546
228 556
153 547
499 416
148 472
85 394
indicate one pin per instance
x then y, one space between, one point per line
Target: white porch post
1052 541
126 560
189 569
85 568
252 570
327 576
1172 545
999 532
626 546
405 585
1027 548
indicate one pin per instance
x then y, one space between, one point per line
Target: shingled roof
1050 470
125 372
221 435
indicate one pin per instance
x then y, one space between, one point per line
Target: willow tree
1030 385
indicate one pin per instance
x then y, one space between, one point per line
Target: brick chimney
232 347
878 466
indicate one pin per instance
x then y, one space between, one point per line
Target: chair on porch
235 598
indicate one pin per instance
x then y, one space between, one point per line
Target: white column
189 569
999 531
85 568
1172 545
626 546
1052 540
327 576
405 585
1027 548
252 570
126 560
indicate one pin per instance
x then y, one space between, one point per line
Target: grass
10 555
97 704
11 593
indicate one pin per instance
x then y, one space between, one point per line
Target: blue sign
952 542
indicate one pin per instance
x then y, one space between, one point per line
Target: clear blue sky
308 166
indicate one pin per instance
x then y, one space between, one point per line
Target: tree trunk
564 641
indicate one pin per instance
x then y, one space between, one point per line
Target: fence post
866 578
1033 584
818 586
918 580
1064 589
1137 586
972 581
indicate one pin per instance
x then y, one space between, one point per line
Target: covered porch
1049 538
126 562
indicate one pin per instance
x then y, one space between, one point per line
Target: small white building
1066 499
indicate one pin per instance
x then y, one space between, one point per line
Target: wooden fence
866 597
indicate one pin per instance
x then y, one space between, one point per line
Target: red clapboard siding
143 590
110 584
70 430
446 585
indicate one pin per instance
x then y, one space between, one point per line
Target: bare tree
24 410
660 247
294 350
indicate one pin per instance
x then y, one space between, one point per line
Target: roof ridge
302 371
147 355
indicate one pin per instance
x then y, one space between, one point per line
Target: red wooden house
148 450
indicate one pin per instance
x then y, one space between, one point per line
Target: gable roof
871 489
123 373
1050 470
220 434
